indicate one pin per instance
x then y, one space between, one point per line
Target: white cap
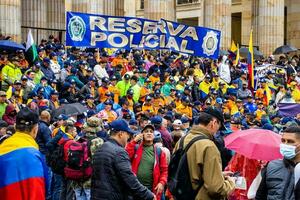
177 122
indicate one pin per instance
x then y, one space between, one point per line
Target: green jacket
2 109
123 87
136 93
79 84
10 73
166 89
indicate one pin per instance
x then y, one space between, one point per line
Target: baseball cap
46 60
156 120
133 122
17 82
2 93
27 117
121 125
148 126
127 76
92 78
217 114
177 122
63 117
157 135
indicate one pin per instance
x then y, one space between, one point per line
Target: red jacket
160 173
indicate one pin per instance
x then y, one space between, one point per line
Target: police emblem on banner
76 28
210 43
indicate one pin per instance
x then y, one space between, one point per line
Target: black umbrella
245 50
284 49
10 45
69 110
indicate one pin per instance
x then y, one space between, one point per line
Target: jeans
82 194
67 193
49 182
56 186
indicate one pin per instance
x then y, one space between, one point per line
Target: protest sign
101 31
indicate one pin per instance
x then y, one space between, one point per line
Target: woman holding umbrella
253 148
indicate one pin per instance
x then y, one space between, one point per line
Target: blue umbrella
10 45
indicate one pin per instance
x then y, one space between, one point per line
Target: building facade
274 22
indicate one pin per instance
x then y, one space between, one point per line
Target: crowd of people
141 106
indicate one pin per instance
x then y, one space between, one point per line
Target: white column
157 9
293 23
218 16
271 25
34 14
10 19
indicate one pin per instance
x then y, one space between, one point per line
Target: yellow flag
237 60
233 47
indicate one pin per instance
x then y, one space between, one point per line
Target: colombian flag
237 60
23 170
250 61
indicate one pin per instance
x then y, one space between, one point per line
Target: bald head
45 116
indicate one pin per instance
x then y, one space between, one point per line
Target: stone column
293 23
34 14
246 20
10 19
81 6
271 25
157 9
218 16
107 7
129 8
56 16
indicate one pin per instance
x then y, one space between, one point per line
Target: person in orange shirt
177 99
147 107
118 60
108 114
103 89
23 63
145 90
264 92
260 111
185 109
172 97
129 98
158 101
155 77
113 89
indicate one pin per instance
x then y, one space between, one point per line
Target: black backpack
55 158
179 182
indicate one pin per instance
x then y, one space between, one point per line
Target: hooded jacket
205 166
10 120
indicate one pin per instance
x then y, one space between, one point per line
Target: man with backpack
195 170
112 177
148 161
89 143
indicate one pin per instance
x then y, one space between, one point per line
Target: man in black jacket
278 179
112 177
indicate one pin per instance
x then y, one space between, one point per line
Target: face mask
288 151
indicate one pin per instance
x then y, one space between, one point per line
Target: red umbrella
256 144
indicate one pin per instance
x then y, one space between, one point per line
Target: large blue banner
101 31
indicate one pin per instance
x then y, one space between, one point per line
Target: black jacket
277 181
112 177
297 190
43 136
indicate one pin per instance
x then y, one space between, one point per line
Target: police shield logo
76 28
210 43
